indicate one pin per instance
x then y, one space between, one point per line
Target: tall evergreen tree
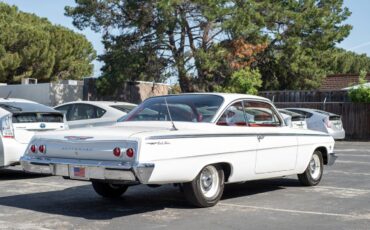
31 47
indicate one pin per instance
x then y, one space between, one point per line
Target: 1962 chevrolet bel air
200 141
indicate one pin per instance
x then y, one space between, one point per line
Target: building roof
340 81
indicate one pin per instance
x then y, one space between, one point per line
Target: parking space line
352 150
348 173
365 217
353 162
352 155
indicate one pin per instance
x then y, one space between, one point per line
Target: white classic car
199 141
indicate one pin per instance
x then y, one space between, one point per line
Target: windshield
188 108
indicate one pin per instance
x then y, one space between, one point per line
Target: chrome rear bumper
88 169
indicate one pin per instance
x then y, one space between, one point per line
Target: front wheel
109 190
207 188
313 173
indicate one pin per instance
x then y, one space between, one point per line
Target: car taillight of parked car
6 127
327 122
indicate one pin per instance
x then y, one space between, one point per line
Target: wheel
207 188
313 173
109 190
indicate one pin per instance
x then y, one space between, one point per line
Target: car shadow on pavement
83 202
13 173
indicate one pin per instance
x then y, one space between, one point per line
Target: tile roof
340 81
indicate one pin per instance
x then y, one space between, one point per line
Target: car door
240 141
277 144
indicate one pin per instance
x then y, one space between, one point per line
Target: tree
192 38
340 61
31 47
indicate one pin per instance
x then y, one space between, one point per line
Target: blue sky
358 41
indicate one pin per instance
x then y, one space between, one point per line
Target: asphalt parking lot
341 201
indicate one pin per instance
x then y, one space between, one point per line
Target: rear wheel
109 190
313 173
207 188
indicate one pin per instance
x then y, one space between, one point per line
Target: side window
233 116
261 114
84 111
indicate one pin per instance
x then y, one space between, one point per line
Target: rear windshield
37 117
190 108
124 108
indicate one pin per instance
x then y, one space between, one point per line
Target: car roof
26 107
316 111
227 96
101 103
16 100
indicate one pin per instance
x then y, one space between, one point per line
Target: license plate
78 172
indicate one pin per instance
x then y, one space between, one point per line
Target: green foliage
360 93
32 47
341 61
190 39
243 81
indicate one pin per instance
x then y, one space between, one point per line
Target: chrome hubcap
315 167
209 182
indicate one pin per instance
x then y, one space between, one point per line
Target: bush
360 93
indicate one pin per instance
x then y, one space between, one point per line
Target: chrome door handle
260 137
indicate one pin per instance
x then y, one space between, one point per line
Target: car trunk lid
25 125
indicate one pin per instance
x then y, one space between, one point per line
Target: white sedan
322 121
186 139
94 113
19 121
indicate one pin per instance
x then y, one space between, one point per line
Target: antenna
169 114
10 92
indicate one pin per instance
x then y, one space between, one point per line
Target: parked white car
323 121
94 113
199 141
19 121
294 120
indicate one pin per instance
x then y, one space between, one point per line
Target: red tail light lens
33 148
117 152
130 152
42 148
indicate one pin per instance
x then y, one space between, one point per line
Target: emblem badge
75 138
42 125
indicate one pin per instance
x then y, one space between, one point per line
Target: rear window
37 117
124 108
304 113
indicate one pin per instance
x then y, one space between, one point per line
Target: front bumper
331 158
88 169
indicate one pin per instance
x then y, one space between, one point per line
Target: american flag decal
78 171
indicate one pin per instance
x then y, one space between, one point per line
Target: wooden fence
306 96
355 116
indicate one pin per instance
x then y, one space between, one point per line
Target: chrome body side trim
95 169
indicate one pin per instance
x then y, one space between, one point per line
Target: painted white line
345 189
353 155
348 173
365 217
352 150
353 162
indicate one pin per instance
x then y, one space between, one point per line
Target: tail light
6 127
130 152
42 149
117 152
327 122
33 148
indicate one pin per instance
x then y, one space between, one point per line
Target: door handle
260 137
